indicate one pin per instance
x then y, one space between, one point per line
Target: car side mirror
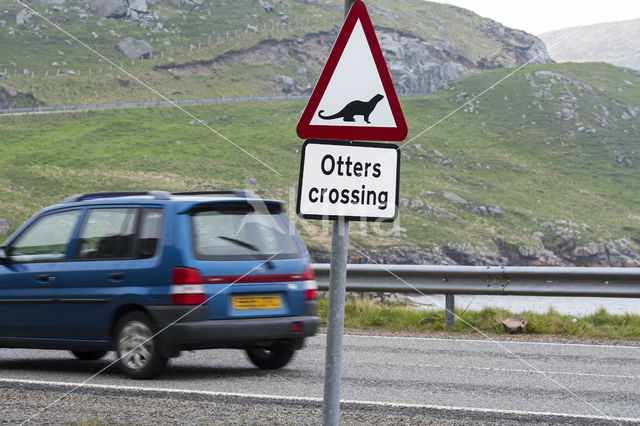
4 255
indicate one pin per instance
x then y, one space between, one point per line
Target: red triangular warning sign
354 98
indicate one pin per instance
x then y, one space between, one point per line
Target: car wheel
89 355
138 352
271 357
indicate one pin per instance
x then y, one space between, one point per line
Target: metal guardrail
488 280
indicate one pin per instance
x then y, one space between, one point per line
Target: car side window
108 233
46 239
149 234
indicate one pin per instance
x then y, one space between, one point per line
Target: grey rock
481 210
23 17
515 324
109 8
454 198
286 83
416 203
265 5
250 181
302 72
466 254
4 225
495 211
134 49
139 6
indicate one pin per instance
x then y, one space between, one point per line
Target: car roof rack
241 194
157 195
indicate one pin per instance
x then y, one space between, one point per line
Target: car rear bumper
194 332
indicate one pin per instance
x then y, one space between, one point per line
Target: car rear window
242 232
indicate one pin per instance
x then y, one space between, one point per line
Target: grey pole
335 323
335 314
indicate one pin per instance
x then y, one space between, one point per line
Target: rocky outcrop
11 98
134 49
417 65
602 253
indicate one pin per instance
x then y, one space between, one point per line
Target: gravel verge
31 404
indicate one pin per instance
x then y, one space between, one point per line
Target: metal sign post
347 180
335 314
335 322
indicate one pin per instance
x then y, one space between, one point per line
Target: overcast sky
539 16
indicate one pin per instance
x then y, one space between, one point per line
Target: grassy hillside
34 53
551 143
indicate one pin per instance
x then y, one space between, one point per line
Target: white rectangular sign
350 180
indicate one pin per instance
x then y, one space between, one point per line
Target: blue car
150 274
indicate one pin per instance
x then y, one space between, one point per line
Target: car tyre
271 357
139 355
89 355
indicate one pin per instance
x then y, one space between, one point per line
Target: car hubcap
135 345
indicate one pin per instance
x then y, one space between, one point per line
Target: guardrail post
450 306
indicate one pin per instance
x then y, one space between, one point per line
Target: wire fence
59 108
65 108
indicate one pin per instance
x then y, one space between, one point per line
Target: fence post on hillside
450 309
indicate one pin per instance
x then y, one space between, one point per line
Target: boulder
139 5
265 5
109 8
4 226
454 198
515 324
134 49
22 18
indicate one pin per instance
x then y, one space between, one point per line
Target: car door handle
118 276
46 278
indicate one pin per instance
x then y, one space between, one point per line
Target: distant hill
617 43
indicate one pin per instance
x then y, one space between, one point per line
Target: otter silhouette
354 108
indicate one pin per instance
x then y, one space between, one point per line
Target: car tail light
187 287
310 285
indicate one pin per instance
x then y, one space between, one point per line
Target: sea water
576 306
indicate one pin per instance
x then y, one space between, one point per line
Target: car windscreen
241 232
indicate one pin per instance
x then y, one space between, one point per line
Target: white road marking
502 370
315 400
509 342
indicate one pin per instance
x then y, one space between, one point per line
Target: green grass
535 173
200 34
362 314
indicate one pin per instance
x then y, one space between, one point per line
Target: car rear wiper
247 245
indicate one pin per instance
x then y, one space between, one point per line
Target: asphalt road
385 380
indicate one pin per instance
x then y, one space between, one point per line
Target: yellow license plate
271 301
